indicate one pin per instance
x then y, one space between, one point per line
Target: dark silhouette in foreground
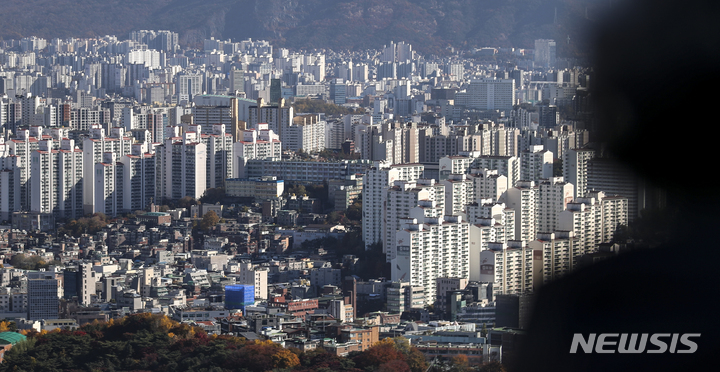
654 64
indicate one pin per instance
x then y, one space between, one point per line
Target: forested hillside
430 25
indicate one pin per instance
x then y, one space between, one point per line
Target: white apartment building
508 166
489 223
536 163
523 199
513 268
378 179
615 212
454 165
93 150
219 163
553 197
188 86
109 185
575 169
260 143
504 141
459 192
306 133
403 198
558 252
57 179
139 179
9 185
488 184
181 167
593 220
22 146
303 90
431 248
84 117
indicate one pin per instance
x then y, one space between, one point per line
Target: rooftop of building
11 338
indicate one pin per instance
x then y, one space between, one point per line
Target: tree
209 220
302 154
460 363
382 352
85 225
334 217
284 358
4 326
212 196
354 212
21 261
297 190
394 366
319 106
413 357
187 202
321 360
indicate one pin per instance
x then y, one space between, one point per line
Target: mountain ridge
431 26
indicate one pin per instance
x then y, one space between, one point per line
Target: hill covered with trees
154 342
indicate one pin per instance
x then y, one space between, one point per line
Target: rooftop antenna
555 19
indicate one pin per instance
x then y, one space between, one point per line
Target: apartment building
57 179
430 248
512 267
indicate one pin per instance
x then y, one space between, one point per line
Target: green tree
297 190
187 202
212 196
354 212
334 217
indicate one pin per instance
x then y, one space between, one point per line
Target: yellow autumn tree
4 326
165 323
285 358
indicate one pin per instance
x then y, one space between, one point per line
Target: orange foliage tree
382 352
